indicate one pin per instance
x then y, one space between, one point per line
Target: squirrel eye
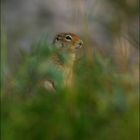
68 37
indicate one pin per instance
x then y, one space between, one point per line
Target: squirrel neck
68 57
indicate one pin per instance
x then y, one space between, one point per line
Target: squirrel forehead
62 36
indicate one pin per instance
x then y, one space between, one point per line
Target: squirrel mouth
78 46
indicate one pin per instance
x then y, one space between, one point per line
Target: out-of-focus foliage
103 103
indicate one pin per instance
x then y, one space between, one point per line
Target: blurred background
105 23
109 65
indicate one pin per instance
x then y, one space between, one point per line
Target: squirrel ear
55 40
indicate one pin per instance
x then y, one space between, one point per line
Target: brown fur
68 43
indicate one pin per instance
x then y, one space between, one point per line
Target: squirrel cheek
58 44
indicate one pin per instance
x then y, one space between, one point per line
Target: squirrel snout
79 45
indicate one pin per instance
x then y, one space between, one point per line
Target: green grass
102 106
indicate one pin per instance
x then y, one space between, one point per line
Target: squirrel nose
79 45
